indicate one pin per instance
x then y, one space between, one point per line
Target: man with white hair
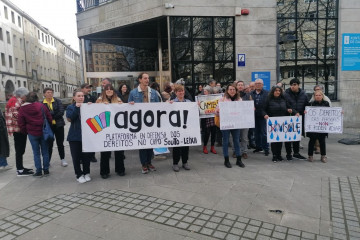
259 96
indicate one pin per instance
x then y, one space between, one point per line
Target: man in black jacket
259 96
298 100
57 112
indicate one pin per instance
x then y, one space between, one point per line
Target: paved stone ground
318 201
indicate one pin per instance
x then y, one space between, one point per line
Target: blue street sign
350 57
265 76
241 60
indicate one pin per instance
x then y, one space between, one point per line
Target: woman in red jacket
30 120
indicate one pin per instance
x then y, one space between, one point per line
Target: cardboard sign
284 129
109 127
324 119
237 115
207 104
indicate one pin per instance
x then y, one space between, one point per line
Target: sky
56 15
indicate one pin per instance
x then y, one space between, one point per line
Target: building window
3 61
309 52
19 21
8 37
10 62
12 17
6 12
330 51
309 1
1 35
14 40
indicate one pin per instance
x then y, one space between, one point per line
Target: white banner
284 129
208 104
237 115
324 119
109 127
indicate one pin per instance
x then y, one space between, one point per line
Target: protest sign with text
324 119
237 115
284 129
208 104
109 127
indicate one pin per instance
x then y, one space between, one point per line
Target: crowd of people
25 116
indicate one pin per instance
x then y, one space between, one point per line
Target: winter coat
73 113
31 120
89 98
4 140
298 101
259 102
245 96
318 104
57 113
277 107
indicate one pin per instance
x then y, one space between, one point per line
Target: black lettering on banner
178 121
159 113
142 135
142 142
151 115
137 123
125 120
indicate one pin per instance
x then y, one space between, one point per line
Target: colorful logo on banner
99 122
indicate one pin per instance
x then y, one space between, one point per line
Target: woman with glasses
108 96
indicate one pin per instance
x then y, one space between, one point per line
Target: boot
310 158
323 158
205 150
239 162
212 149
227 162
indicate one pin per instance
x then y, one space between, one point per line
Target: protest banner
109 127
208 104
284 129
324 119
237 115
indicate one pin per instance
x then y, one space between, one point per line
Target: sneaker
266 153
64 163
81 179
274 159
144 170
93 159
103 176
280 158
38 174
151 167
24 172
176 168
310 158
258 150
323 159
289 157
186 166
87 177
7 167
121 174
46 173
299 156
244 155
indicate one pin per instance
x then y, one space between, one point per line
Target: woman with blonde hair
108 96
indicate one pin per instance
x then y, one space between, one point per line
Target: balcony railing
83 5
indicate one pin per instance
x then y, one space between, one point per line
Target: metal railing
83 5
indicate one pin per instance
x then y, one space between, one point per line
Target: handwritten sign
109 127
284 129
208 104
324 119
236 115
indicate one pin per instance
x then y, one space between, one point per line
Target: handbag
47 132
217 121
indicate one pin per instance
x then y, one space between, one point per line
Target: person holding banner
318 102
108 95
144 94
75 140
230 95
182 152
208 127
277 106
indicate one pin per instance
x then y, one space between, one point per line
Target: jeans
260 134
20 146
78 156
38 142
321 138
236 135
3 162
145 156
59 136
244 139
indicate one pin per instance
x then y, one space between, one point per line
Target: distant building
33 57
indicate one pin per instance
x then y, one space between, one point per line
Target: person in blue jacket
144 94
74 138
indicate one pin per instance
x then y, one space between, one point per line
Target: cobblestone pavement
216 224
316 200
